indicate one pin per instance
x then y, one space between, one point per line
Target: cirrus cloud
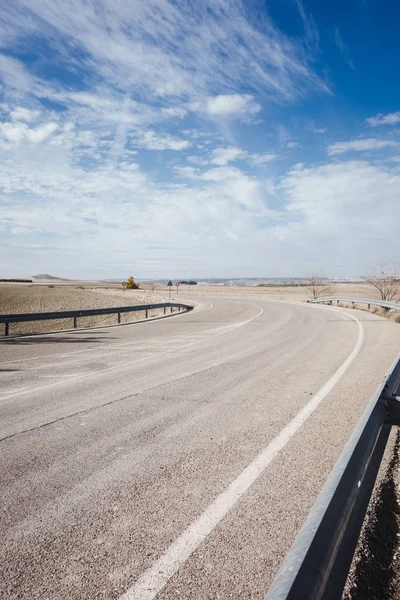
360 145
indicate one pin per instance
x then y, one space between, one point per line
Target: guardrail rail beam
317 566
382 303
74 314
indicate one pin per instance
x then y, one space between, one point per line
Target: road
176 459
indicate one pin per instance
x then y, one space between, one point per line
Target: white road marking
149 348
64 354
123 347
151 582
6 395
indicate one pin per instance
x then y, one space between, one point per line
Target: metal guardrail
74 314
330 299
317 566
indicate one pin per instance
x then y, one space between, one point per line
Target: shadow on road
34 340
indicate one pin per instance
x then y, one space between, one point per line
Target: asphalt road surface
176 459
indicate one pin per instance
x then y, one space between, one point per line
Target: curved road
176 459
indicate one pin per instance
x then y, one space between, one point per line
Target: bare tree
387 284
318 286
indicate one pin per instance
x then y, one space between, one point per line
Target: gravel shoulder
375 571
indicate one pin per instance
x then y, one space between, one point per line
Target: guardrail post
369 306
74 322
7 328
179 309
171 309
119 317
147 313
354 304
165 309
337 302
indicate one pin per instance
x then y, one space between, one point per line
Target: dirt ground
288 293
375 571
27 298
299 293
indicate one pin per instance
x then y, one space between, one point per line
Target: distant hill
47 276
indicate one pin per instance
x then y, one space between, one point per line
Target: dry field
290 293
26 298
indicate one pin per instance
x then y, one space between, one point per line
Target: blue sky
199 138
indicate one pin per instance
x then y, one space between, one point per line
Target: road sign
169 285
178 284
123 284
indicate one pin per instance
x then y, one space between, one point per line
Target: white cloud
24 114
14 132
17 131
83 175
228 106
14 75
354 199
178 112
222 156
360 145
88 138
262 159
389 119
41 133
222 212
221 207
108 107
185 171
198 161
343 48
151 141
285 138
319 130
221 174
311 30
218 49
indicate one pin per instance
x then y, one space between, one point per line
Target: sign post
123 285
177 286
169 284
